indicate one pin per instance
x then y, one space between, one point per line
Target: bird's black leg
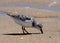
24 30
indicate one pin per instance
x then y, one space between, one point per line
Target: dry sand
51 28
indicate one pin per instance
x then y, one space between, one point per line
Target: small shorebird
26 21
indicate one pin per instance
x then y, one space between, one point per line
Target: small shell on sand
21 38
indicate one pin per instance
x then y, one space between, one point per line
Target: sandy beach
50 28
11 32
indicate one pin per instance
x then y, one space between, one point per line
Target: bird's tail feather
10 15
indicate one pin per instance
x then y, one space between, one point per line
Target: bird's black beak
40 27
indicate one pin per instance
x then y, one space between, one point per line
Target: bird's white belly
23 23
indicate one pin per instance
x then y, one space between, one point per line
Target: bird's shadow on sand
20 34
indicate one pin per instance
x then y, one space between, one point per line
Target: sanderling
26 21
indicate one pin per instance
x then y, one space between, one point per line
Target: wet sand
37 13
26 2
44 3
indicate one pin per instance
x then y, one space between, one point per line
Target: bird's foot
26 33
41 33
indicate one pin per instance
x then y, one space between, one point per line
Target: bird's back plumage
22 20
